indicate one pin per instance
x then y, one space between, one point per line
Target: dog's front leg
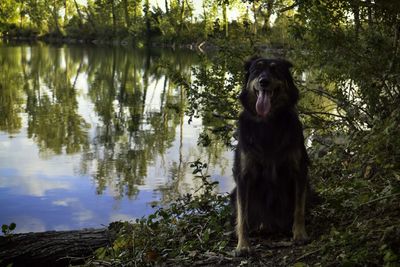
299 230
243 245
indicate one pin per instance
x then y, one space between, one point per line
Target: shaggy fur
270 167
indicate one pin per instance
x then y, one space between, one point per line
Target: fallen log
53 248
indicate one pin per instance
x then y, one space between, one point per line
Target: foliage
218 78
353 68
8 13
138 22
182 231
8 229
359 181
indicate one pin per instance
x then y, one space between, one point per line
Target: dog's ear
247 65
293 92
285 63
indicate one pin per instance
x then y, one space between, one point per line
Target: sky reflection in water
91 135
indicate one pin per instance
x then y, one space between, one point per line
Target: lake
90 135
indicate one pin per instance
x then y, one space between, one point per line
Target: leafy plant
194 224
8 229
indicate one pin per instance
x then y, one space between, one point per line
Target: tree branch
297 3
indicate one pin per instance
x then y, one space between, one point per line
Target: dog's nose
264 81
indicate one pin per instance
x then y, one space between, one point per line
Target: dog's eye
260 65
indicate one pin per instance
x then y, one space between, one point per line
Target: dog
271 162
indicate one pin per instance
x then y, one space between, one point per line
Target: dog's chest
261 139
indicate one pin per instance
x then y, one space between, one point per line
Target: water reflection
89 135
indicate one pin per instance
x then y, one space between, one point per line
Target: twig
219 116
308 254
310 113
280 244
379 199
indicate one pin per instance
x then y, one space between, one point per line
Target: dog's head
268 87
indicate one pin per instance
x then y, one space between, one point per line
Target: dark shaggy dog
270 167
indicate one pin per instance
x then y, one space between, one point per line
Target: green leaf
12 226
390 256
4 228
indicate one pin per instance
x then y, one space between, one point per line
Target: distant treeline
181 21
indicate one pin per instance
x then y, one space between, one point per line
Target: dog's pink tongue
263 104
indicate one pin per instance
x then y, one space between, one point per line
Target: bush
181 232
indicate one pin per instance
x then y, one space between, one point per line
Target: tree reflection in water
114 106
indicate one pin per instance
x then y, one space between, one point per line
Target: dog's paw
300 238
243 247
242 251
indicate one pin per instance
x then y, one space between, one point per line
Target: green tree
8 13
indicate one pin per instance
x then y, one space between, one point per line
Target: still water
91 135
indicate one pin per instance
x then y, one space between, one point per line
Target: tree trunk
53 248
225 19
255 17
356 12
166 7
126 10
114 17
54 12
147 19
182 17
21 13
369 12
205 20
89 14
190 9
65 19
79 14
268 14
135 12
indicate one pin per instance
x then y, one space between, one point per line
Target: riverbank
201 46
54 248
